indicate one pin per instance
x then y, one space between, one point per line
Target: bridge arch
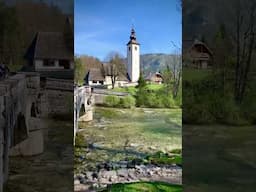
83 101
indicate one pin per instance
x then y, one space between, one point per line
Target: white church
100 76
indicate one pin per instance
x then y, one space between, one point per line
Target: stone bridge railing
82 104
18 98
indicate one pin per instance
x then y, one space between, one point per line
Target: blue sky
102 26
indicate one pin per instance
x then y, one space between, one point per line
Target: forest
223 94
19 24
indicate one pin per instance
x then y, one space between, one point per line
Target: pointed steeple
133 37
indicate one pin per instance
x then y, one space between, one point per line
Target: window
64 63
129 48
135 48
94 81
101 82
48 63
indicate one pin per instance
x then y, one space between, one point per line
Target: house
197 55
100 76
156 78
49 52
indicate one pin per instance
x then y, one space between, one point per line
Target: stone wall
57 97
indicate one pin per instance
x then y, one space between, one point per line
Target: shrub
112 101
127 102
169 102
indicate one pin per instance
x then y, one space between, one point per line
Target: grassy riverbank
218 157
119 134
144 187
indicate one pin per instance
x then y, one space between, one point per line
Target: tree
79 71
10 41
141 82
172 74
116 67
244 39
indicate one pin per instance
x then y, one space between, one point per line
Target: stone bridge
26 100
20 131
83 101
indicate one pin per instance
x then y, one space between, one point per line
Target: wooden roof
49 45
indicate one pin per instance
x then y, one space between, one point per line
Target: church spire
133 37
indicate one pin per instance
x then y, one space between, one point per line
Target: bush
168 101
112 101
127 102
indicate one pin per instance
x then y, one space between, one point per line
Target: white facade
133 58
133 62
55 65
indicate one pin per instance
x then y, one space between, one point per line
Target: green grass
218 157
154 87
144 187
131 90
195 74
165 159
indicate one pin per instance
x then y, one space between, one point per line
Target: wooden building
197 55
156 78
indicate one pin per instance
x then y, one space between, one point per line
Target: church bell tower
133 58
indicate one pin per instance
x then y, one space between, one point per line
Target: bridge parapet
15 119
83 101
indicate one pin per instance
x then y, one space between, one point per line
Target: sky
103 26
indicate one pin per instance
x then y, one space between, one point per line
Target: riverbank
118 137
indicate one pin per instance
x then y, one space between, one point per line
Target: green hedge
112 101
123 102
127 102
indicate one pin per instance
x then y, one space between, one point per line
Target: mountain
154 62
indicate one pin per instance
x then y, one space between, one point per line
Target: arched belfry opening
82 110
20 129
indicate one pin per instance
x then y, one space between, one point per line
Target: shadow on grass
119 151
